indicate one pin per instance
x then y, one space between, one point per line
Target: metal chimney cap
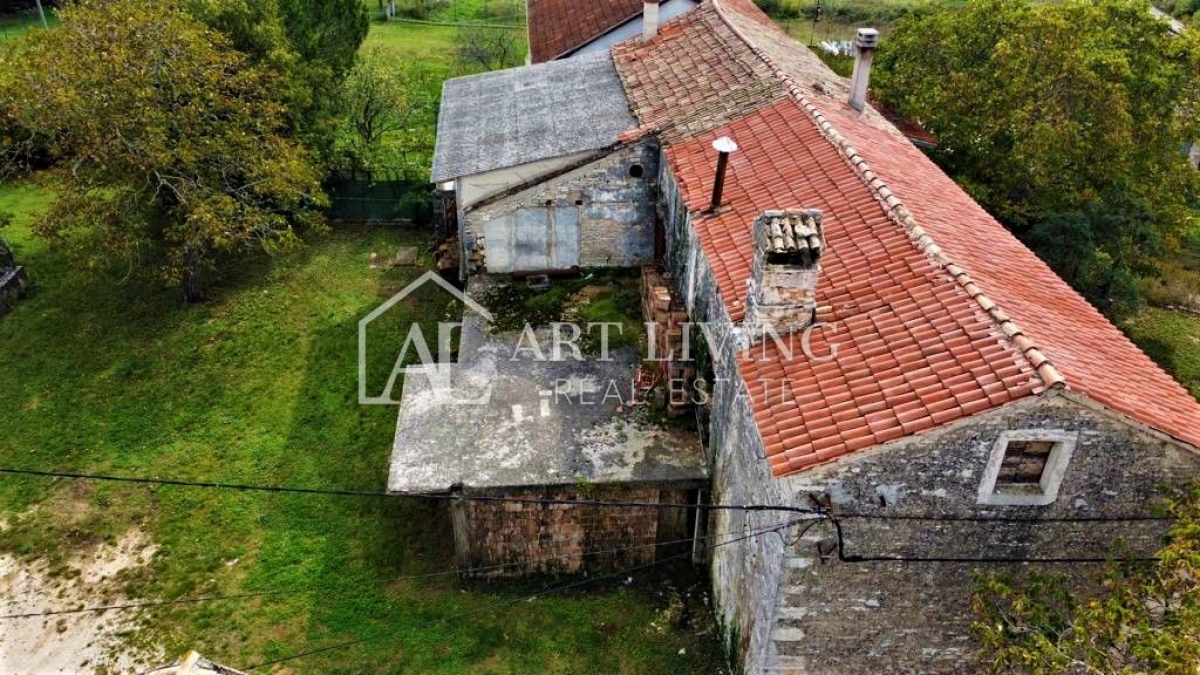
867 38
724 144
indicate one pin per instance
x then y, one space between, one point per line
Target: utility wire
245 487
528 598
1003 519
849 558
335 587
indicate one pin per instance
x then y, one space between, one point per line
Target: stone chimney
865 45
783 287
649 20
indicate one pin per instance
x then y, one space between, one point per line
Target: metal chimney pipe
723 145
649 20
865 44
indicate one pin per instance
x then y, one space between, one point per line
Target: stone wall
12 283
913 615
570 539
746 575
597 215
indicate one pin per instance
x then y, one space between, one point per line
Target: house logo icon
439 370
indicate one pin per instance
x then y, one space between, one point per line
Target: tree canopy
309 44
390 113
1066 120
169 146
1145 619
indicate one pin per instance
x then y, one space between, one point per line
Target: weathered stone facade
746 575
798 608
515 539
600 214
913 615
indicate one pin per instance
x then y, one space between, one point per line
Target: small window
1026 468
636 171
1023 466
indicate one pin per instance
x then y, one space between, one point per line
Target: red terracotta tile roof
921 281
696 74
558 27
914 350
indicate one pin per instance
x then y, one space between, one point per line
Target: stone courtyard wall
571 539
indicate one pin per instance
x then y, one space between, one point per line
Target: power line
335 587
1004 519
339 492
848 558
528 598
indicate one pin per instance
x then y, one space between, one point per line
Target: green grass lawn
259 386
13 26
1172 339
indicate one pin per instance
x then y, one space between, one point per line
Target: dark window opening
1023 466
636 171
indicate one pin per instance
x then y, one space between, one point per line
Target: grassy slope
1172 339
260 387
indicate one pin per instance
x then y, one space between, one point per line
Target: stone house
538 181
881 347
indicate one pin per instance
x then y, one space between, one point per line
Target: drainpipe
865 45
723 145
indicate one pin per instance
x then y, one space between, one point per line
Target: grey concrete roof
542 423
521 115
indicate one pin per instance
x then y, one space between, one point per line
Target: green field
14 26
259 386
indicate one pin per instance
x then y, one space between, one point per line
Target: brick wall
568 539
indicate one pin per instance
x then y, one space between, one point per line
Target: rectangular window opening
1023 467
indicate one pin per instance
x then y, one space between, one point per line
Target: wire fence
379 195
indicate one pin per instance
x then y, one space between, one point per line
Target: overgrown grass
840 19
1172 339
259 386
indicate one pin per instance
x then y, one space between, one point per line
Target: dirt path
73 643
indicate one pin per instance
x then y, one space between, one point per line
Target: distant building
562 28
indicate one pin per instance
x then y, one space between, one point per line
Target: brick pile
662 309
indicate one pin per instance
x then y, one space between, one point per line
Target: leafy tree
1057 112
169 147
1145 620
482 48
391 110
310 45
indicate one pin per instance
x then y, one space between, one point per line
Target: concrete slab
540 423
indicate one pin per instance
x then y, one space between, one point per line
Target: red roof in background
921 280
695 74
557 27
